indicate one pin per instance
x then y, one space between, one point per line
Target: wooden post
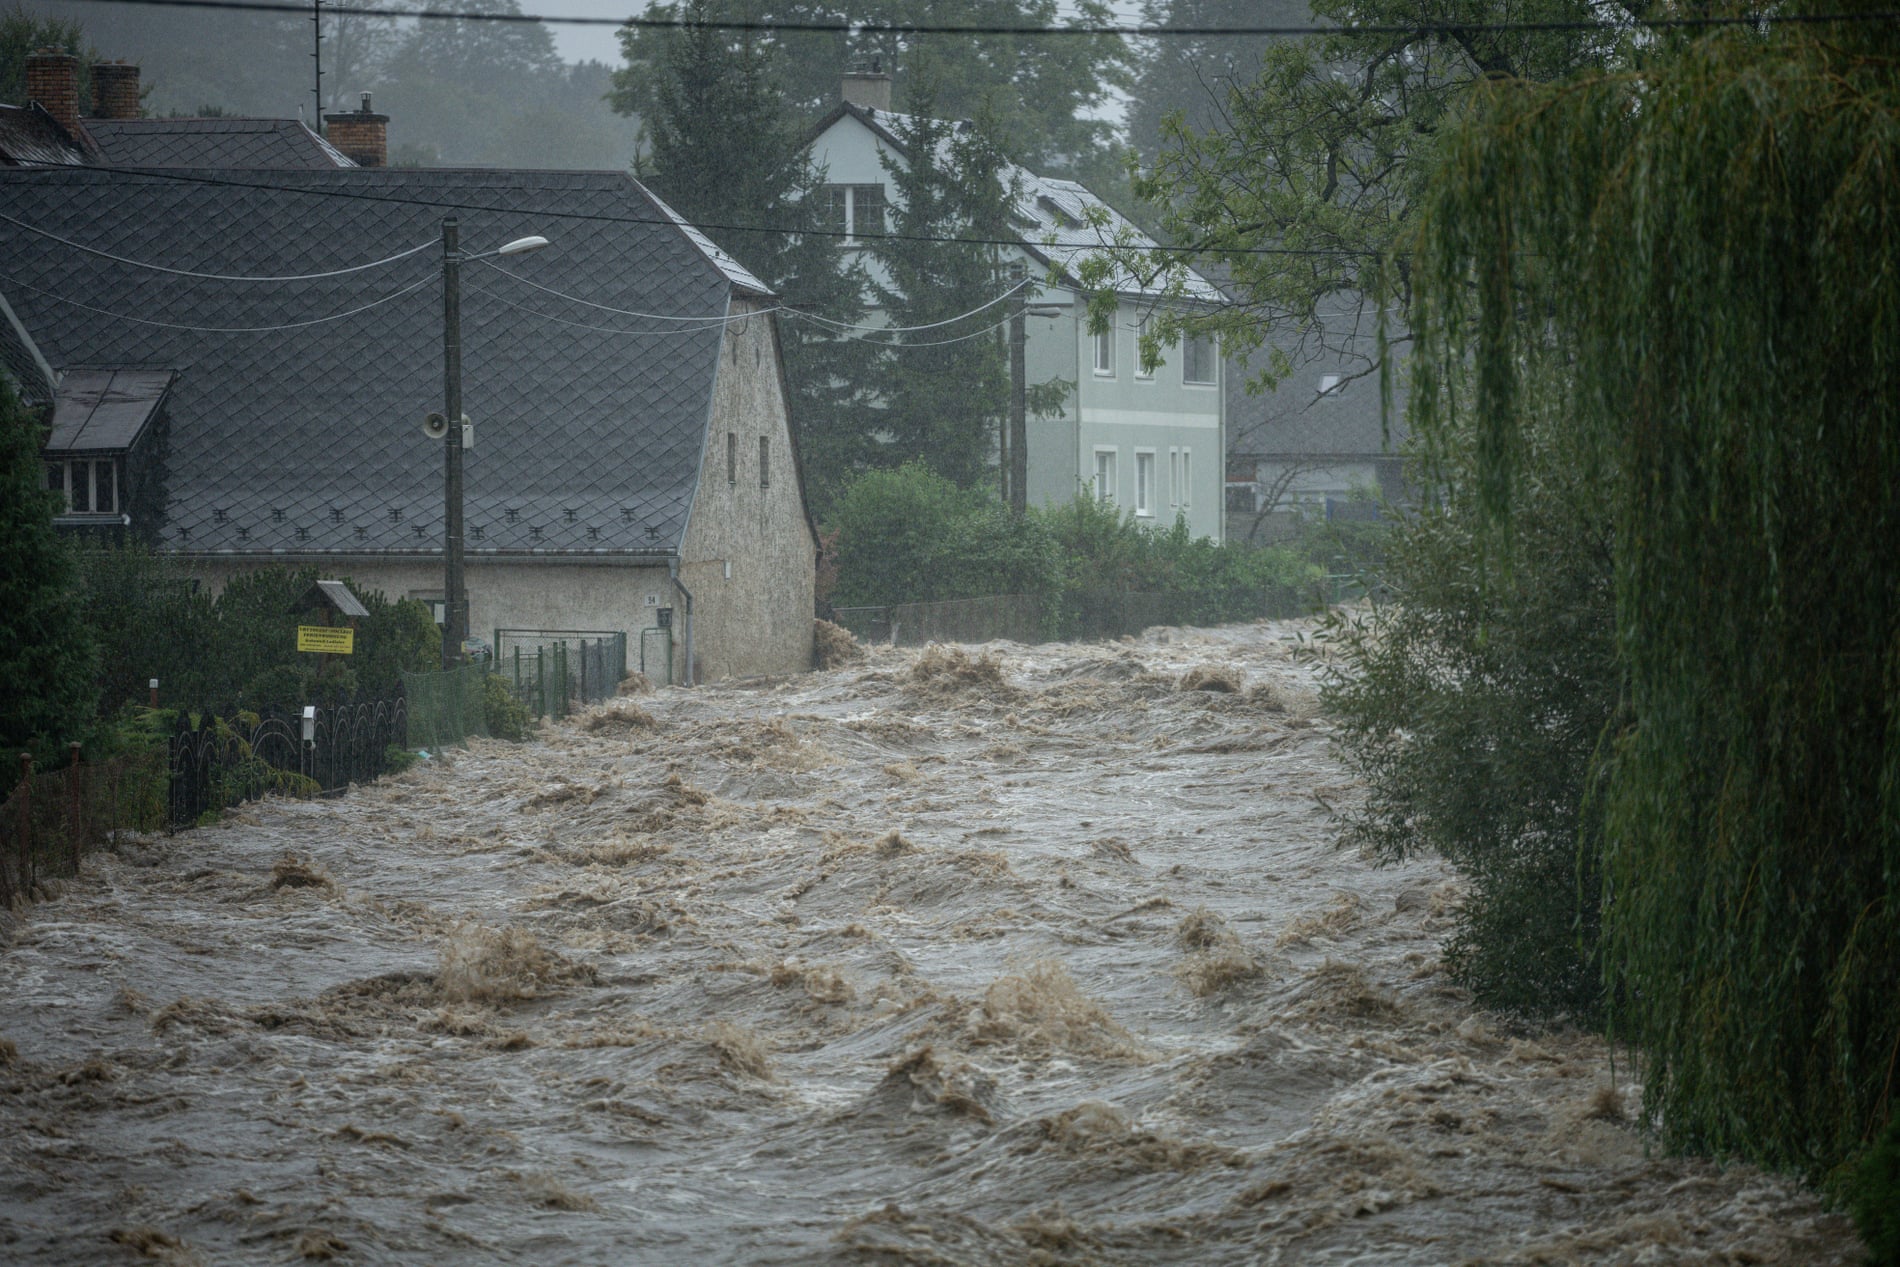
26 823
72 802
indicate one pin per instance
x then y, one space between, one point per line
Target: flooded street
956 956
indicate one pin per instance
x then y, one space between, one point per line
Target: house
237 366
1320 445
1152 442
50 130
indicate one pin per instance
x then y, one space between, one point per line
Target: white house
1151 442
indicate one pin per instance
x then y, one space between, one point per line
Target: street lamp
454 595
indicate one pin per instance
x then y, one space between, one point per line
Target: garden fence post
72 801
26 822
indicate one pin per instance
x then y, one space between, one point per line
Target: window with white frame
1145 482
1105 475
857 211
1174 478
1200 363
89 485
1187 478
1105 352
1143 373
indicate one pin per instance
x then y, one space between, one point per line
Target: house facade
237 370
1151 442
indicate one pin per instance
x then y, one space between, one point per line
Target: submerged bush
507 717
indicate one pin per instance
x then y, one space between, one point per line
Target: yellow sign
323 638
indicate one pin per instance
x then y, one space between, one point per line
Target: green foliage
1872 1195
1710 242
1044 96
912 535
1472 700
47 655
946 393
725 152
23 33
397 758
507 717
1319 147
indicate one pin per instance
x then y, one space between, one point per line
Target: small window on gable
867 211
765 462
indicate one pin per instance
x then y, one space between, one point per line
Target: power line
1134 30
902 344
216 277
172 325
618 312
443 204
582 325
846 327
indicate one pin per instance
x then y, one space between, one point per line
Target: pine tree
945 394
47 692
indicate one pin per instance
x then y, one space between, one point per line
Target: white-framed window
1105 475
1105 352
1187 478
1143 373
1174 478
1329 383
858 211
1200 360
89 485
1145 482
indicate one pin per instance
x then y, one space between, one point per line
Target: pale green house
1152 442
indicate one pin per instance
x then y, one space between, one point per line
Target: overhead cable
845 327
1134 30
173 325
216 277
618 312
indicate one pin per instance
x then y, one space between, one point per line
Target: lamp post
454 594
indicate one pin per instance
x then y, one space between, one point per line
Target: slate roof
1057 218
29 136
307 439
1297 420
267 143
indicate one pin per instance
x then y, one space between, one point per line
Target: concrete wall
749 557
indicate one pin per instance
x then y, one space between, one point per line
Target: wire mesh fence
554 671
446 707
1082 615
53 817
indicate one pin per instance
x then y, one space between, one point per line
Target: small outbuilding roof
333 595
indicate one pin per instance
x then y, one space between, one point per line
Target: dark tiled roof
30 137
1297 419
105 409
269 143
589 423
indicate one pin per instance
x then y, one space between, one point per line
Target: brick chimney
868 86
52 79
115 90
363 135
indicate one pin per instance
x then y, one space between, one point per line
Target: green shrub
507 716
1873 1196
397 758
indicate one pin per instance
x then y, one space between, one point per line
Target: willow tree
1703 253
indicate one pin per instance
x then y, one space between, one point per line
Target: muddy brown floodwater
964 956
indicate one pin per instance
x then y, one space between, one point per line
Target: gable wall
749 557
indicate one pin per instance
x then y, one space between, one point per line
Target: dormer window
93 452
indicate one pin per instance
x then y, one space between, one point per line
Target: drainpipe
673 570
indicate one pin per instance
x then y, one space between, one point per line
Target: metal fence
554 671
225 761
54 816
446 707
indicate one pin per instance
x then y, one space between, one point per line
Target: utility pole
455 601
1016 450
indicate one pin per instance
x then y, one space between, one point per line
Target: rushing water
1027 955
